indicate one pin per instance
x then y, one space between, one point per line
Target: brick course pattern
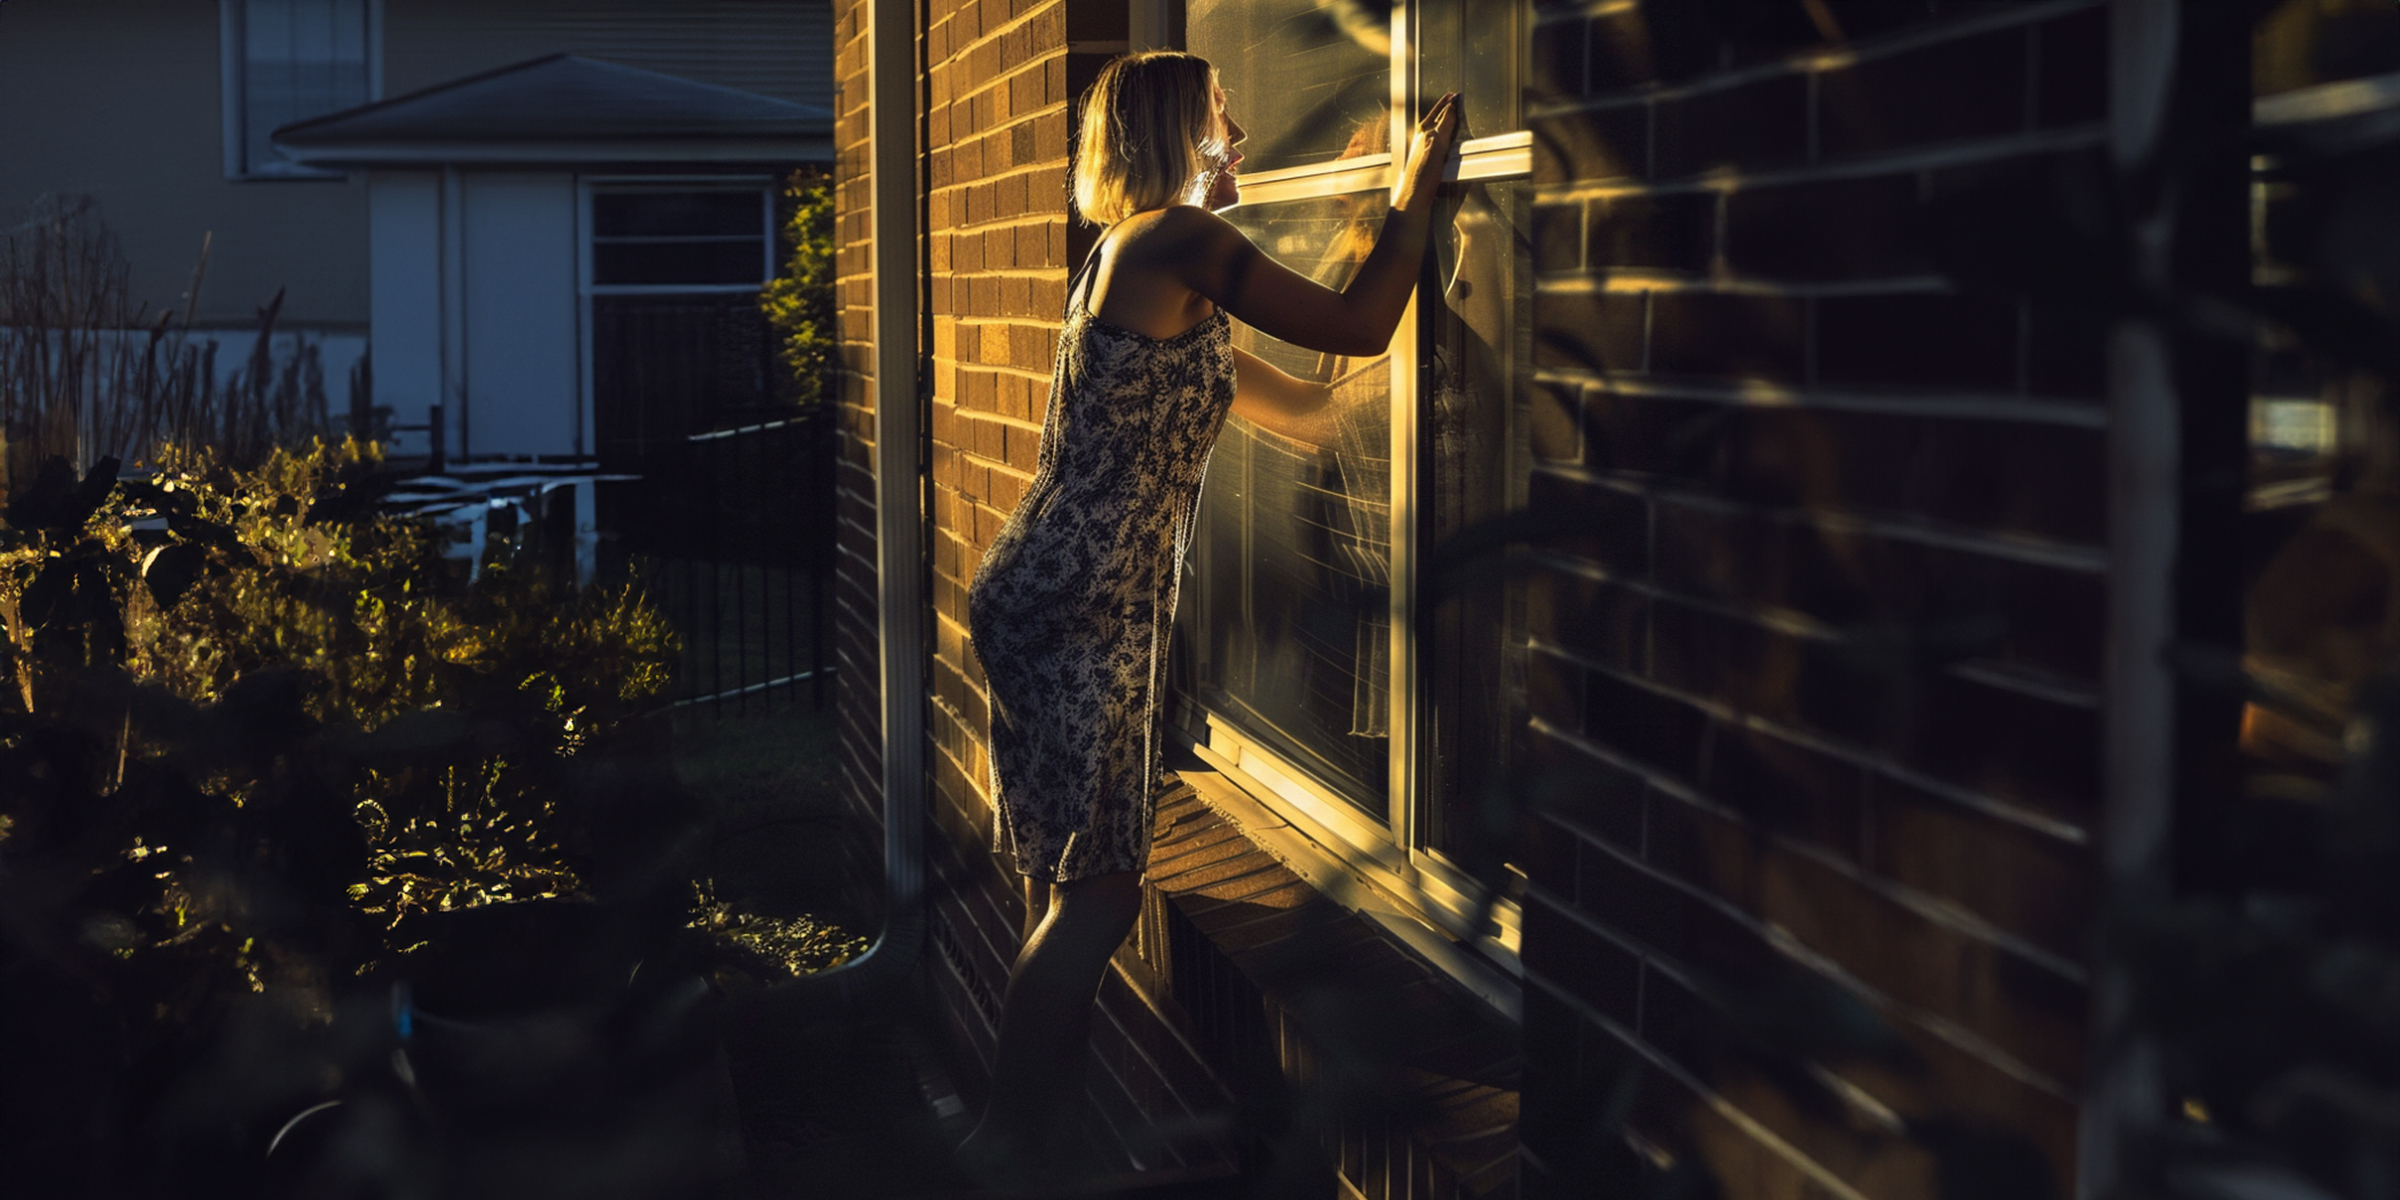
1824 652
857 660
998 102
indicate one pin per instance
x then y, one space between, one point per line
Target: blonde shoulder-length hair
1149 137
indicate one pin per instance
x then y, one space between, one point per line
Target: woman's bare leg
1045 1020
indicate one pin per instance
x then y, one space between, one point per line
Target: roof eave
627 151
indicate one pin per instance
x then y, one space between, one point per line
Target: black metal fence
731 530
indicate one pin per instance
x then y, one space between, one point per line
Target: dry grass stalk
87 372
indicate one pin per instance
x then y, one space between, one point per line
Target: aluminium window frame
587 428
1385 871
233 94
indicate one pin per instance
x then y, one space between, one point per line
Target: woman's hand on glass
1430 145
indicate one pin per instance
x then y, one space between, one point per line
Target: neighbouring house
1839 651
567 253
547 220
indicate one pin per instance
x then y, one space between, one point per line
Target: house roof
560 109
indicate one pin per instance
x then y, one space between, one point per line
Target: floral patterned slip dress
1071 607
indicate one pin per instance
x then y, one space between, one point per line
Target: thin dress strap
1091 257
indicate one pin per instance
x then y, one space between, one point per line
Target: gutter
560 152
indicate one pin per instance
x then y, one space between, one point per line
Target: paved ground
834 1103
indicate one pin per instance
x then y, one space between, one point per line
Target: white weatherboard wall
404 221
522 381
475 308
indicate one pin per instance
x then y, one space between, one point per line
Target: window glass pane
1473 47
1310 81
300 59
1289 626
678 262
2321 522
1475 443
679 214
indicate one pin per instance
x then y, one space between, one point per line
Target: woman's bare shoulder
1175 230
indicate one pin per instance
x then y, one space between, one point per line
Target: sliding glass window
1300 670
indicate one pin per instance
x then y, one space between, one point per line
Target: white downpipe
899 491
2121 1093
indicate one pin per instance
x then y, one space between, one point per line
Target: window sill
1487 971
1241 934
286 175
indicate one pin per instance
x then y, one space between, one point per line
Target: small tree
799 302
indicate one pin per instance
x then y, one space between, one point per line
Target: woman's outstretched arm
1356 320
1267 396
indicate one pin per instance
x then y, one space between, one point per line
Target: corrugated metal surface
779 48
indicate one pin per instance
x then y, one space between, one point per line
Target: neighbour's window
675 341
706 238
1311 540
287 61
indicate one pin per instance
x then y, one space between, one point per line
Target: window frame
589 186
587 419
233 93
1385 871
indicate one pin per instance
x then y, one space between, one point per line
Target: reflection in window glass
300 59
1310 81
2322 528
1293 643
1475 448
1472 47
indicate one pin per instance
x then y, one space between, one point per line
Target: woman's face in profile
1224 190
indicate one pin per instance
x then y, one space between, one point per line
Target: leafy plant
234 621
799 303
258 738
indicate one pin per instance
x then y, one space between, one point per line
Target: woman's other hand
1429 147
1209 256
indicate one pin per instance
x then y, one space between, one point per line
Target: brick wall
1000 238
1827 662
856 659
996 125
998 104
994 156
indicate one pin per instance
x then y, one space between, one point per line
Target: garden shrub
799 302
264 634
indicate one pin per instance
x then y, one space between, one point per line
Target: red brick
1558 57
2073 70
1918 341
2025 478
2032 884
1973 87
1651 435
1727 335
1643 725
1674 230
1748 127
2040 753
1604 144
1786 787
1602 524
1592 331
1555 420
1833 230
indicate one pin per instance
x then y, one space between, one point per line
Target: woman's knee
1111 900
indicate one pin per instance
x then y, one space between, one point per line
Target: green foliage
766 947
799 303
247 635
